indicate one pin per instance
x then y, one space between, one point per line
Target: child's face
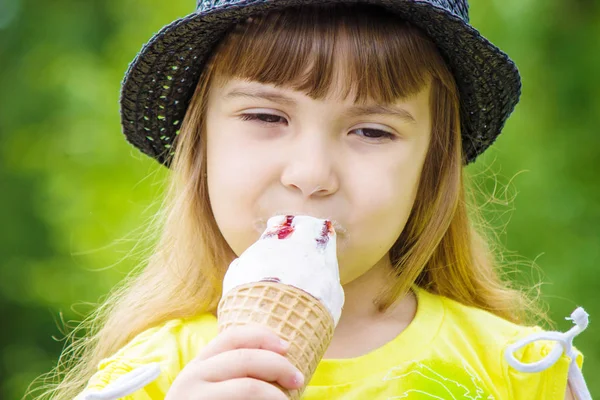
313 157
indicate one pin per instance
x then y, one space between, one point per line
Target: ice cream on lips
295 250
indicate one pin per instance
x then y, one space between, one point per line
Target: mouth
261 223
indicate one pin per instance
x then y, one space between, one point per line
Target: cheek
233 158
382 205
225 157
232 185
229 163
384 199
241 172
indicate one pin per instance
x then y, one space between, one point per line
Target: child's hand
238 364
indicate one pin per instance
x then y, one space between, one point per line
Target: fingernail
284 345
298 379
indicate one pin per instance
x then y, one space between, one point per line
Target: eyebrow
373 109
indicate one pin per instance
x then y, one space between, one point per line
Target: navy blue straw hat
161 80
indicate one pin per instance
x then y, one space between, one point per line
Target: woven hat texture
160 81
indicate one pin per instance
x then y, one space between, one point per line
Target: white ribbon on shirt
564 343
127 384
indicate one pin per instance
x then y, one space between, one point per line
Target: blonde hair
385 59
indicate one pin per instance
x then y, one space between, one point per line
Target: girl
361 113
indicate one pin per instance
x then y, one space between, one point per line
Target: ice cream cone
295 315
288 281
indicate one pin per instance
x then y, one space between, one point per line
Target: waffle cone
292 313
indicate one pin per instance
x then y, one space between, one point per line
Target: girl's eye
270 119
376 134
263 118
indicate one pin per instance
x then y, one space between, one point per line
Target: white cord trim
564 344
127 384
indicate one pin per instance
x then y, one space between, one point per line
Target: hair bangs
359 50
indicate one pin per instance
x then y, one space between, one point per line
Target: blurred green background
75 196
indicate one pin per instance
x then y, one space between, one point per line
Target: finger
247 336
254 363
244 389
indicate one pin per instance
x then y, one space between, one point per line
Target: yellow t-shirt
448 351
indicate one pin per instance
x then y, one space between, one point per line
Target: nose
310 168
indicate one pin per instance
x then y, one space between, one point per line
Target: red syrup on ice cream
284 230
325 233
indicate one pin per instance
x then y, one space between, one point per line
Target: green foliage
76 196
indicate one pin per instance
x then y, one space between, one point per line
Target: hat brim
161 80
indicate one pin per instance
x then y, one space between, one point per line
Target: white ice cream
299 251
